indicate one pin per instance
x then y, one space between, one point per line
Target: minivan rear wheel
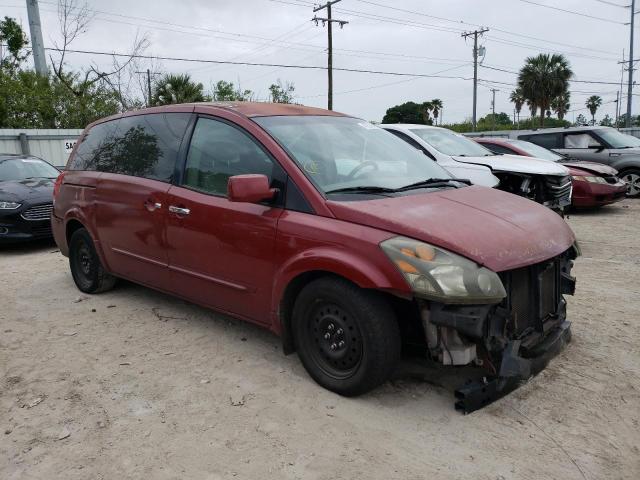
632 178
347 338
86 267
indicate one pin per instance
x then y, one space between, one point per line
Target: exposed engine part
445 343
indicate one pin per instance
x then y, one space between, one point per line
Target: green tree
409 112
607 121
177 89
561 105
543 78
226 91
12 35
436 108
593 103
282 92
501 119
581 120
518 101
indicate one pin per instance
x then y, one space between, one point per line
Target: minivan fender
306 266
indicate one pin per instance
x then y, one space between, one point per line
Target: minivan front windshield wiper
434 182
362 189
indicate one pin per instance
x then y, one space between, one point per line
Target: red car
325 229
594 184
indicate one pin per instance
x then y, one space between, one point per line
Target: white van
540 180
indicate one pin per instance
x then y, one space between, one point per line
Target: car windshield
617 139
22 168
338 153
451 143
536 150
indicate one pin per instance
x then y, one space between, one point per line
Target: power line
574 12
462 22
259 64
613 4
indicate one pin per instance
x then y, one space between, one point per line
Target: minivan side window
219 151
546 140
85 157
141 146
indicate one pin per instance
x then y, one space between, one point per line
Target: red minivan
325 229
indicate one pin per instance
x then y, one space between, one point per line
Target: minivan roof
247 109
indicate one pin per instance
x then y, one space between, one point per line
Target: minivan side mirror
249 188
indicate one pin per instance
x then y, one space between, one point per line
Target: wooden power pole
475 34
328 22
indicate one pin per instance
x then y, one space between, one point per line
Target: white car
540 180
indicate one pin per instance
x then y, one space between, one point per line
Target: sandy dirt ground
136 384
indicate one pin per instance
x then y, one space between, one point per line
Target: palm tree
593 103
561 104
518 100
543 78
427 107
436 107
177 89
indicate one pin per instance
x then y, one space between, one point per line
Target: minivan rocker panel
495 229
348 254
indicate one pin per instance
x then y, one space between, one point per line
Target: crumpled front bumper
515 369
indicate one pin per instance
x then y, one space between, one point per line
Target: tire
347 338
86 267
632 177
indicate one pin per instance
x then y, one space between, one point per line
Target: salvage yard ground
136 384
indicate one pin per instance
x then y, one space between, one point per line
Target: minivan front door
221 253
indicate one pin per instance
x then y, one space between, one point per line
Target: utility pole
37 45
617 108
630 85
475 34
493 107
328 21
148 73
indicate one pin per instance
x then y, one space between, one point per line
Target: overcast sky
405 38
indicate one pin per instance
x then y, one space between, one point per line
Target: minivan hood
496 229
517 163
592 167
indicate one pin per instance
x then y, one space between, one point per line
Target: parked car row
331 232
594 184
538 180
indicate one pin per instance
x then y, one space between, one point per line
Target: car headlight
581 178
9 205
436 274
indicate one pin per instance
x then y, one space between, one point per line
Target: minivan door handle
179 210
151 205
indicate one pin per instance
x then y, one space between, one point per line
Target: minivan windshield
536 150
345 153
617 139
23 168
451 143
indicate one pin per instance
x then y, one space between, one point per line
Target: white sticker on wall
69 144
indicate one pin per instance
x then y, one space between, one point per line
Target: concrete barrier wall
52 145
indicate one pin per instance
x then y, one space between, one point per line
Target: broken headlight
436 274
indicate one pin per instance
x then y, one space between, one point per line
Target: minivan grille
558 189
38 212
533 295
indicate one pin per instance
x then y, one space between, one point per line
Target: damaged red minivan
325 229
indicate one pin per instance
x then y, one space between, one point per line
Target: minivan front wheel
347 338
86 268
632 179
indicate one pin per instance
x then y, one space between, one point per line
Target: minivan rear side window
141 146
85 157
219 151
546 140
